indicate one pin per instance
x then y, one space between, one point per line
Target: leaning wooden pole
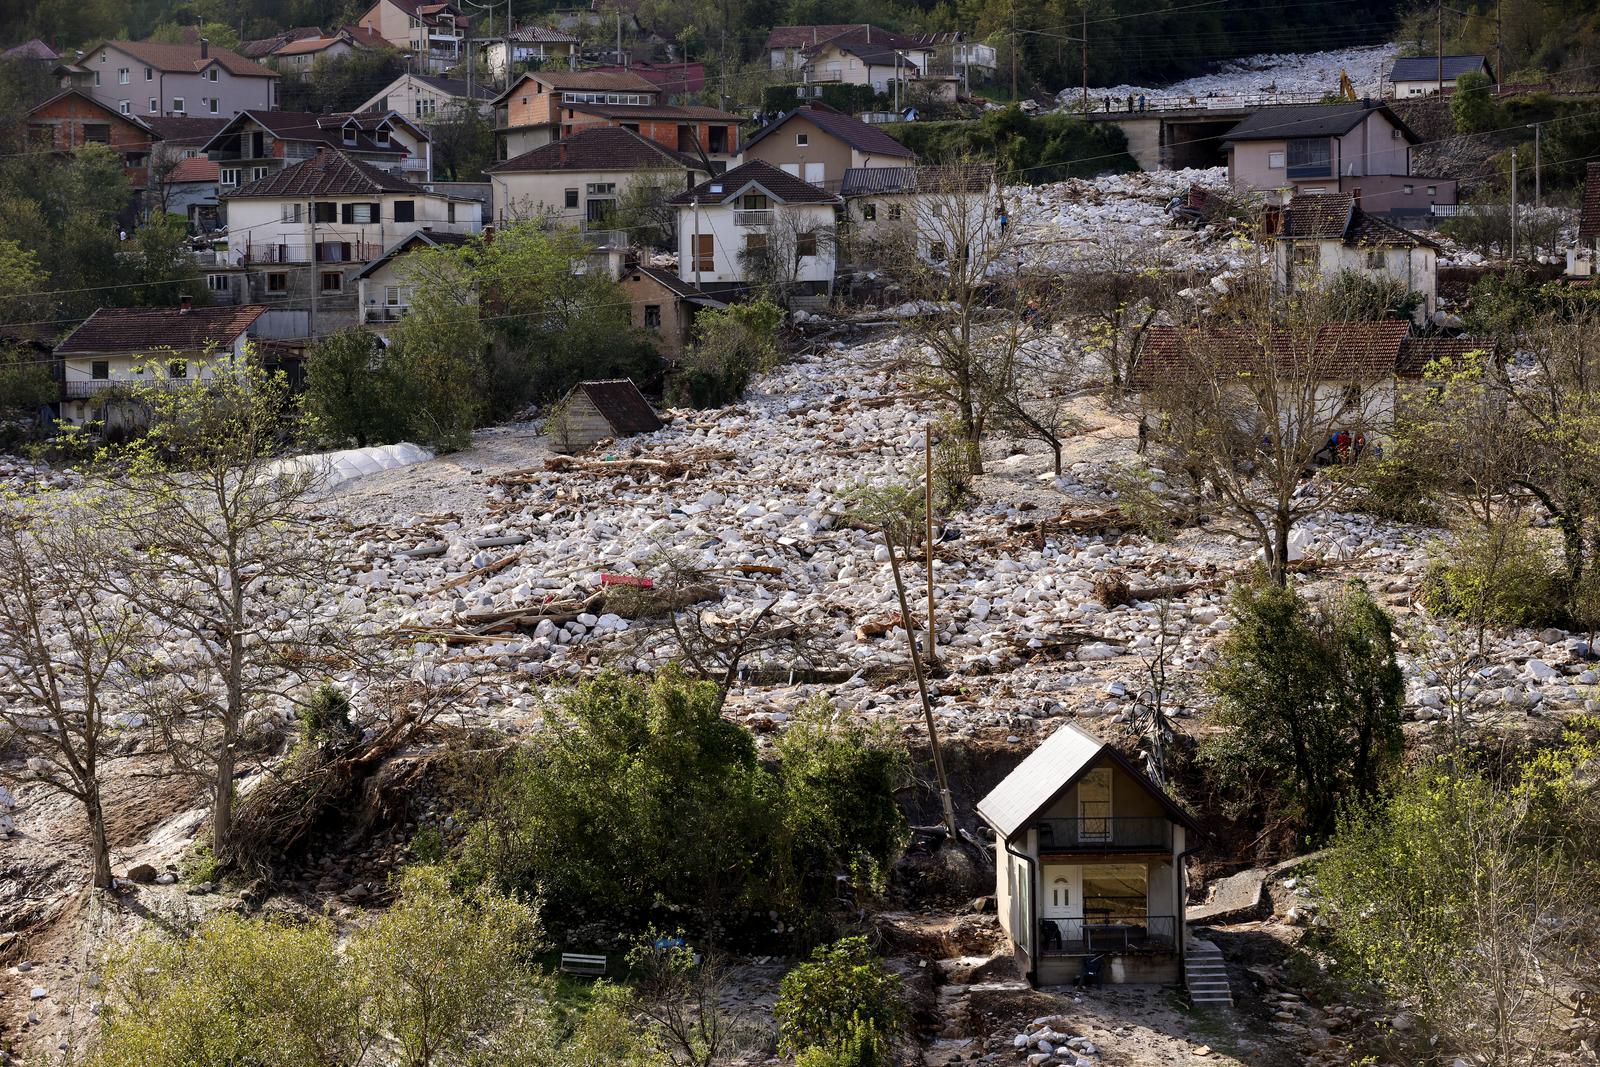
922 687
927 534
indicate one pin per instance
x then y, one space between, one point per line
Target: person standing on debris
1360 444
1144 435
1130 101
1004 216
1108 102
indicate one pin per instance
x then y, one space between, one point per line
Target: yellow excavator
1347 89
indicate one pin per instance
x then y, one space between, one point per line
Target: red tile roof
596 148
140 330
196 169
1338 217
328 173
1336 352
1417 352
852 131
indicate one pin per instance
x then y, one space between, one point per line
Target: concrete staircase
1206 975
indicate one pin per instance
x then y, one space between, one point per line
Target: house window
257 173
1375 259
349 135
277 282
805 244
97 132
1275 160
123 75
397 295
1433 190
1310 157
324 211
1307 255
212 105
100 370
426 105
294 212
360 214
97 76
869 212
218 283
936 252
332 281
178 368
212 74
125 106
801 140
228 176
572 198
155 105
1408 189
382 138
602 188
149 75
704 252
894 212
755 202
652 316
755 244
405 211
1115 889
177 104
450 211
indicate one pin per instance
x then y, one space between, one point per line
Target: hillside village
557 538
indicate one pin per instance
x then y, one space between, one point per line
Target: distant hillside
1538 41
1139 41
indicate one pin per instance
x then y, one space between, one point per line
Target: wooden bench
582 963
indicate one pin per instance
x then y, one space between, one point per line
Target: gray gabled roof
1312 120
1426 68
1048 771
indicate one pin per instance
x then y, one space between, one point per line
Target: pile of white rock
22 478
1045 1043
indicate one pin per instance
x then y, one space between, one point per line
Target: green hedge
1031 149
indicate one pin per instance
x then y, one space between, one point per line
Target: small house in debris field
1326 234
594 411
1090 864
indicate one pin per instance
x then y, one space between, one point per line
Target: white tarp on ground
336 468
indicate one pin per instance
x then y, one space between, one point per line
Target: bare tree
1254 404
65 647
1116 289
774 258
1155 701
952 256
229 569
679 994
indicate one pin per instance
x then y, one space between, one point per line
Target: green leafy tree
1473 899
1307 700
1472 105
1351 296
463 144
439 344
160 261
840 995
356 391
439 969
269 994
731 345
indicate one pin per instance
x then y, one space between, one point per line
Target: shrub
325 716
1502 574
1307 699
731 346
1396 490
356 391
862 1047
841 995
1472 106
1354 296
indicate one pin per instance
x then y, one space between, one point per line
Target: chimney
561 152
205 48
185 304
1355 195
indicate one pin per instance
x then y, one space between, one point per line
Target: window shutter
347 213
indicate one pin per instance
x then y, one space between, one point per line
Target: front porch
1129 949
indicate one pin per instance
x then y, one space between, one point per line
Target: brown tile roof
328 173
782 186
540 35
308 45
196 169
1325 215
171 128
596 148
622 405
138 330
1338 217
34 49
810 36
268 45
1337 352
677 286
852 131
185 58
320 129
1589 217
1417 352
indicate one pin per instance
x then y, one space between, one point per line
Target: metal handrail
1104 834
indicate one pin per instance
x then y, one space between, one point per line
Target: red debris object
626 579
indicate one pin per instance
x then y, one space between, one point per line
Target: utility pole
1438 30
1084 45
1513 205
1499 50
620 60
1013 51
922 687
927 534
1538 186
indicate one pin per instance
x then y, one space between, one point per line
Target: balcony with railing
385 313
753 218
84 388
1121 834
322 252
1107 932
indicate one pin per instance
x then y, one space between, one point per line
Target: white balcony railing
758 218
